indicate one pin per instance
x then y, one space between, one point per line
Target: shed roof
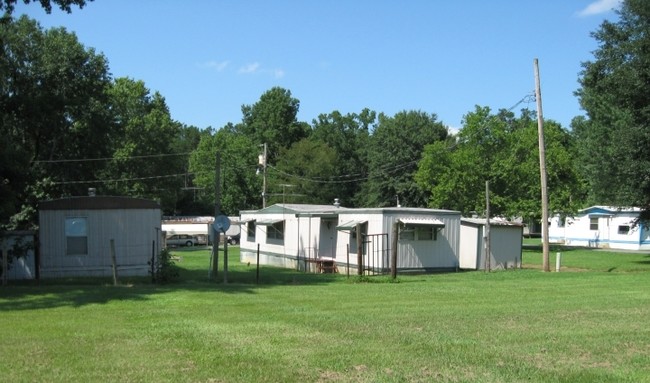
98 203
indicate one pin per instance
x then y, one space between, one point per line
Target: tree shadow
193 276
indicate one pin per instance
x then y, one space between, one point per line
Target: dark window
419 233
76 236
593 223
353 238
250 231
623 229
276 231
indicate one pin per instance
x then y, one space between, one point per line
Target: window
250 231
76 236
419 233
593 223
276 231
353 238
561 221
623 229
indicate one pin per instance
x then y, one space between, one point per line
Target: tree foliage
348 135
503 150
614 142
273 120
8 6
52 108
241 189
395 148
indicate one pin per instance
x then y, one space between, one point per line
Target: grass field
588 323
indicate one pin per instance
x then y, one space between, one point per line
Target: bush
164 269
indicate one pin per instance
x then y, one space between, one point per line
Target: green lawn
588 323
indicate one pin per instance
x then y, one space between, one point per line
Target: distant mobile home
505 244
199 226
301 236
601 226
76 233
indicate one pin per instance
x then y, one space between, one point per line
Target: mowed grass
588 323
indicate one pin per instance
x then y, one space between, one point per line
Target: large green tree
143 141
502 149
396 146
615 139
305 173
273 120
52 97
241 187
348 135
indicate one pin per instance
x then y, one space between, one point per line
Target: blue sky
210 57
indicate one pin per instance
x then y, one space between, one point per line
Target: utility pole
216 236
262 163
542 170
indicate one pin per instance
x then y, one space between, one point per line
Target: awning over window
350 225
268 222
422 221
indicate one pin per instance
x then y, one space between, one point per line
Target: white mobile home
303 236
505 244
601 226
76 234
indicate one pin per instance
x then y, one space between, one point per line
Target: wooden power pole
542 170
216 236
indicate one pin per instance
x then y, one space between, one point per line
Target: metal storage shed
505 244
76 233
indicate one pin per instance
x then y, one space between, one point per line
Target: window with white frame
76 236
593 223
275 231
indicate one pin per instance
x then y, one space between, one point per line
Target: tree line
67 126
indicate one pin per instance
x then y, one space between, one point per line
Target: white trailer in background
601 226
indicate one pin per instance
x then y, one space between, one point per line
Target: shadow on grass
193 266
556 248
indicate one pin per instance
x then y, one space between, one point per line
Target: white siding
469 246
577 231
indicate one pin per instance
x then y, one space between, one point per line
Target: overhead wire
109 158
338 179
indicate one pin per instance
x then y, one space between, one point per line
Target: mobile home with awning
306 236
601 226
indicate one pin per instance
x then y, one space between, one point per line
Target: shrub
164 269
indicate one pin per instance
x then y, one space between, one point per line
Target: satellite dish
221 223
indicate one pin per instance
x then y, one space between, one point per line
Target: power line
119 179
109 158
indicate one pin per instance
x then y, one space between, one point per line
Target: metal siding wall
505 247
442 253
133 230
